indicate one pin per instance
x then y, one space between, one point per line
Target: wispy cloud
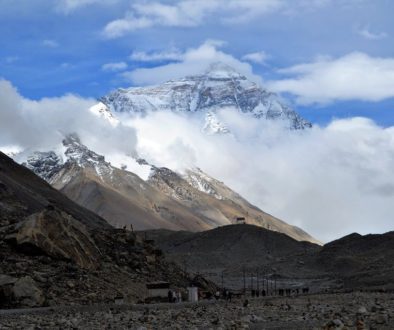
114 66
356 76
69 6
50 43
187 13
11 59
368 34
165 55
256 57
193 13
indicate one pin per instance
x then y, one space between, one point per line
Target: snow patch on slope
103 111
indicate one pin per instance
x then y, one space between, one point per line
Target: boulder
58 235
6 286
27 294
6 280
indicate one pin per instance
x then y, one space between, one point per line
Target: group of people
256 293
227 295
174 296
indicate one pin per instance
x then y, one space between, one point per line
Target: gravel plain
357 310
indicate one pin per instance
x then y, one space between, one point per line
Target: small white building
158 289
192 293
240 220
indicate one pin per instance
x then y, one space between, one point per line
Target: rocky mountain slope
192 201
53 251
352 262
220 87
233 248
363 261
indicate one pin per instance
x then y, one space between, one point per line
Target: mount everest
220 87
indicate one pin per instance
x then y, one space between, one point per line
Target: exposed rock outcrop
27 293
56 234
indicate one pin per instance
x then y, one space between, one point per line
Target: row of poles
267 286
257 283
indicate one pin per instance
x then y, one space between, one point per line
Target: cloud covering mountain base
330 180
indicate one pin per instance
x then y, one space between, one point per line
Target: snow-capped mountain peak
219 87
44 164
48 164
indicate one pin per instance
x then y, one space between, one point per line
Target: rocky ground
360 310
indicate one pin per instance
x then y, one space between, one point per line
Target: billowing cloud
192 61
330 181
356 76
114 66
42 124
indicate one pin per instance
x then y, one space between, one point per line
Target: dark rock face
80 154
44 164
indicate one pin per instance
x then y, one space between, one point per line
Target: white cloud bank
191 61
330 181
40 125
356 76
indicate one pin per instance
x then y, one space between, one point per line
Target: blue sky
330 58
